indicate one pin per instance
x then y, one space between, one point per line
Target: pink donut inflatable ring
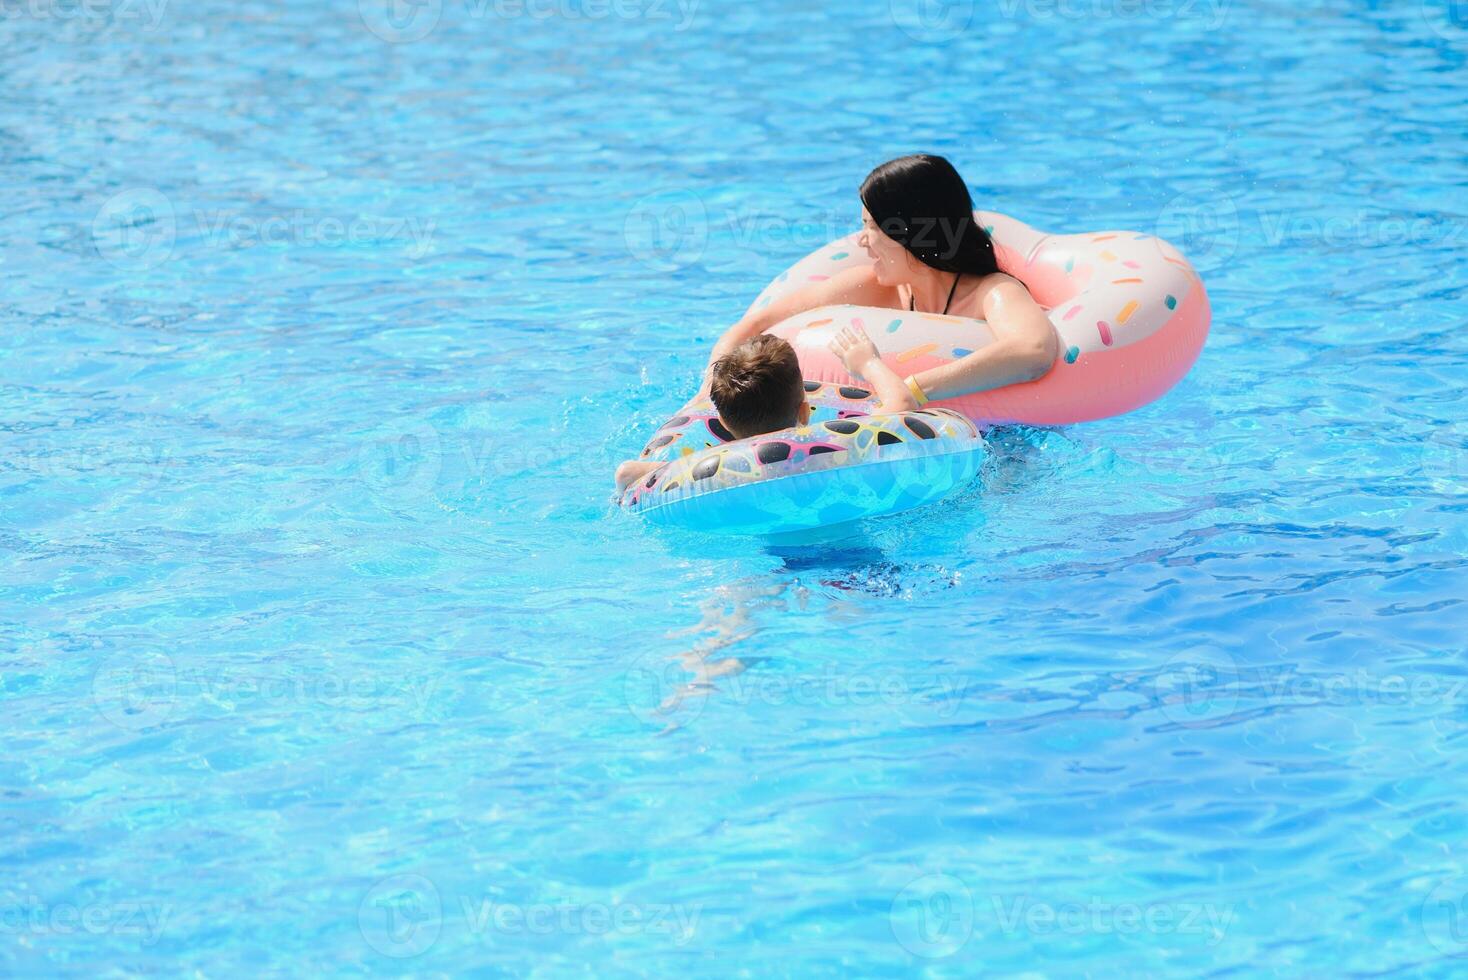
1131 313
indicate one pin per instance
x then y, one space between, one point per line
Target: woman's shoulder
975 299
1000 285
997 280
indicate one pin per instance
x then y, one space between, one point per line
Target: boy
758 388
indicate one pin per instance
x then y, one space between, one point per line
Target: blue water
325 650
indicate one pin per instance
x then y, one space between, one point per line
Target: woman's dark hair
922 203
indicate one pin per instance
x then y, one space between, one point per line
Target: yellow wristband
917 390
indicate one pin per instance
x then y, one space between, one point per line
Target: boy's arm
859 354
633 470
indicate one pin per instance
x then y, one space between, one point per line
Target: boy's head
758 388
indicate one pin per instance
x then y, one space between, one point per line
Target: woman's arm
1024 349
856 287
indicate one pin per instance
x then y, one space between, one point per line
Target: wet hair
922 203
757 387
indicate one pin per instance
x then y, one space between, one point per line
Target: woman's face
889 258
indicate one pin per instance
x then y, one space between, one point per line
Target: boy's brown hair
758 387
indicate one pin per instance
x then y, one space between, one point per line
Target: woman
928 254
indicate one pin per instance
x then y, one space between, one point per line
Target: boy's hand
855 349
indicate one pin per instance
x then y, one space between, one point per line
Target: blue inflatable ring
845 465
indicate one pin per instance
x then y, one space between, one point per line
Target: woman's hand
855 349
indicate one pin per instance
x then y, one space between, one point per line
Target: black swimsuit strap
912 297
956 276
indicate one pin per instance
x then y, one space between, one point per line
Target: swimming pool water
325 650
